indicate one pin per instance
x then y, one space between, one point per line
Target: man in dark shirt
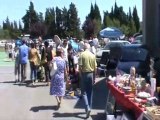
46 58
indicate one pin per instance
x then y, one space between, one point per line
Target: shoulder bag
53 68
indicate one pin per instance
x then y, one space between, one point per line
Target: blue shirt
23 53
74 45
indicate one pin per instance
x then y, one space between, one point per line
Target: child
17 65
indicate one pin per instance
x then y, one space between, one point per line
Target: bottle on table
132 79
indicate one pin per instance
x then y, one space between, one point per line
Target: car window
115 44
125 43
139 38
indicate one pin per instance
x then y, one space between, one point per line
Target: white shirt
65 52
93 50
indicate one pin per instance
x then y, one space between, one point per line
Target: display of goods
154 112
143 95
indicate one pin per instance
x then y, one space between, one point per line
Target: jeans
86 89
23 71
47 72
17 71
71 64
33 71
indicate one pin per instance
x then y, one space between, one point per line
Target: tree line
65 22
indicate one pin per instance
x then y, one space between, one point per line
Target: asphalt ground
24 102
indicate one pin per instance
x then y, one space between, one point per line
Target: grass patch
1 49
4 60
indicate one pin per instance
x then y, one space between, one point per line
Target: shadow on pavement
99 96
38 108
36 85
99 116
27 83
77 115
8 82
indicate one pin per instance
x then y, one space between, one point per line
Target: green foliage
92 24
136 19
132 28
73 21
97 26
109 21
30 18
66 23
128 23
50 22
88 28
116 23
10 30
4 34
38 29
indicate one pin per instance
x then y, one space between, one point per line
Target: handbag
53 68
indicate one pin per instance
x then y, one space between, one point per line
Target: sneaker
88 113
48 84
33 83
36 81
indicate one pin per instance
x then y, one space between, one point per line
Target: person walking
34 60
87 66
23 56
17 65
57 87
64 47
46 59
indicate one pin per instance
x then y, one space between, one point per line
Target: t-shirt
65 53
23 52
47 54
87 61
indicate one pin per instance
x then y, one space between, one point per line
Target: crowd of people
75 66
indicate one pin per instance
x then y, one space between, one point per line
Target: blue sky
16 9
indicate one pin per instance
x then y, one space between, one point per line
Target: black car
134 55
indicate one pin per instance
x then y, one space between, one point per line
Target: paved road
22 102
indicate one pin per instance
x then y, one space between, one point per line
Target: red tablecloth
125 101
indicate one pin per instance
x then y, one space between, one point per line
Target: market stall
136 98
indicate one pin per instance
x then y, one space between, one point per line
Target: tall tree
38 29
136 19
88 28
33 15
105 19
73 21
40 17
92 12
132 28
6 24
130 15
15 25
30 18
50 22
111 14
93 19
116 10
109 22
65 23
97 12
20 26
59 21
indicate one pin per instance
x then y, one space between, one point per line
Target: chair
103 63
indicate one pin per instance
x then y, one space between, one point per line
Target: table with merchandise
133 95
